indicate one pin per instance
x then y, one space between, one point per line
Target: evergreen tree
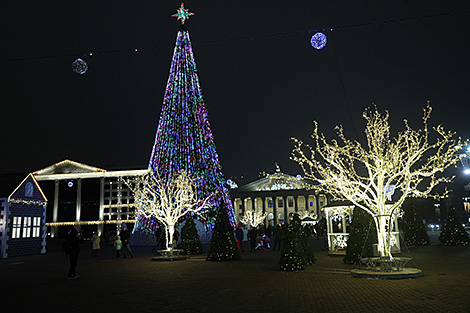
362 236
453 233
184 139
297 254
190 242
414 228
223 244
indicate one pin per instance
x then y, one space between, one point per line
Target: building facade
86 197
279 195
23 220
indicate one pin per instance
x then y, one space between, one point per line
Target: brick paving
253 284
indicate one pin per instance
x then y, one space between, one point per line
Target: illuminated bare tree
367 177
253 217
166 200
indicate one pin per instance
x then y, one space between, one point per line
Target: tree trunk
169 236
382 222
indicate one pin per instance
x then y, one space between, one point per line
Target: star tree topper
182 14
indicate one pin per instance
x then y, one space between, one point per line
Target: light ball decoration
79 66
318 41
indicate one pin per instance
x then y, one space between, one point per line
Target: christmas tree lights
408 163
297 254
223 244
414 228
453 233
184 140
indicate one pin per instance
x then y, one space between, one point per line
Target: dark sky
263 82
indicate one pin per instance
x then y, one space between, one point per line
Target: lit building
22 220
86 197
279 195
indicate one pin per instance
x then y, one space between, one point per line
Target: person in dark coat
239 234
72 250
277 237
253 233
125 237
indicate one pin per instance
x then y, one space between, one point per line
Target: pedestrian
118 246
253 233
125 236
96 244
277 232
72 250
239 234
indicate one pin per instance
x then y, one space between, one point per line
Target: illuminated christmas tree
184 139
223 244
414 228
190 242
297 254
453 232
362 236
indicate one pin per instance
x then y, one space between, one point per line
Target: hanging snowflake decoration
318 41
79 66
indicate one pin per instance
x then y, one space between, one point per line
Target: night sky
263 82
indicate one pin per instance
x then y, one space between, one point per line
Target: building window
270 203
16 227
290 202
280 203
36 226
27 227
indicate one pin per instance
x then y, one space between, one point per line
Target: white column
79 201
101 212
55 209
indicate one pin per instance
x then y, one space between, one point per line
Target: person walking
72 250
277 237
118 246
253 233
96 244
239 234
125 237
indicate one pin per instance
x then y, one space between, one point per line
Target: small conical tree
414 229
453 232
223 244
297 254
190 242
362 237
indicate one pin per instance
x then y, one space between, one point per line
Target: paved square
253 284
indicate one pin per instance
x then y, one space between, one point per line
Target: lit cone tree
166 200
453 233
413 228
190 242
367 177
223 245
184 139
297 254
362 237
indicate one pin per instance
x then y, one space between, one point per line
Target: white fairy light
367 178
166 200
253 218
